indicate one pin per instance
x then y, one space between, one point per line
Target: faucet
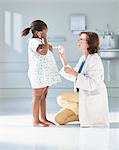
111 33
103 34
108 32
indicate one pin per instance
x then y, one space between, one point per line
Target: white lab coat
93 98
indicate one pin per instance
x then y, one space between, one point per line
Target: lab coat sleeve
65 75
91 79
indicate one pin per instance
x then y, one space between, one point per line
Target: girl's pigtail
25 32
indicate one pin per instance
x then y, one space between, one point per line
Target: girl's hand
50 47
71 71
44 49
43 35
39 33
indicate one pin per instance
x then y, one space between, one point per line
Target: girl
42 72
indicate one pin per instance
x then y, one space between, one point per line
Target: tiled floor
17 133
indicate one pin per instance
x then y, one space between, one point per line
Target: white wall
118 14
13 64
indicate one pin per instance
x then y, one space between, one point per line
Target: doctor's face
82 42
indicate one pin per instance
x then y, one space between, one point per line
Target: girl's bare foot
40 124
47 122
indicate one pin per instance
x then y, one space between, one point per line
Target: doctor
88 78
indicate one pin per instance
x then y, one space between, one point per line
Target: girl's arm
43 48
49 46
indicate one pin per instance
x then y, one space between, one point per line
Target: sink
109 53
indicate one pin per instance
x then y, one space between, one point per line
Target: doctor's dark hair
93 42
37 25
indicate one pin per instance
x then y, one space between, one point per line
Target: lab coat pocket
95 107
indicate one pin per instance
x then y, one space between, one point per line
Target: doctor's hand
70 71
61 50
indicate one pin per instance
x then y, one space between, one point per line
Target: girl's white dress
42 70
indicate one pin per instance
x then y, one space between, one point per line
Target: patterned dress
42 70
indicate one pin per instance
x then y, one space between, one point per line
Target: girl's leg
36 102
43 108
